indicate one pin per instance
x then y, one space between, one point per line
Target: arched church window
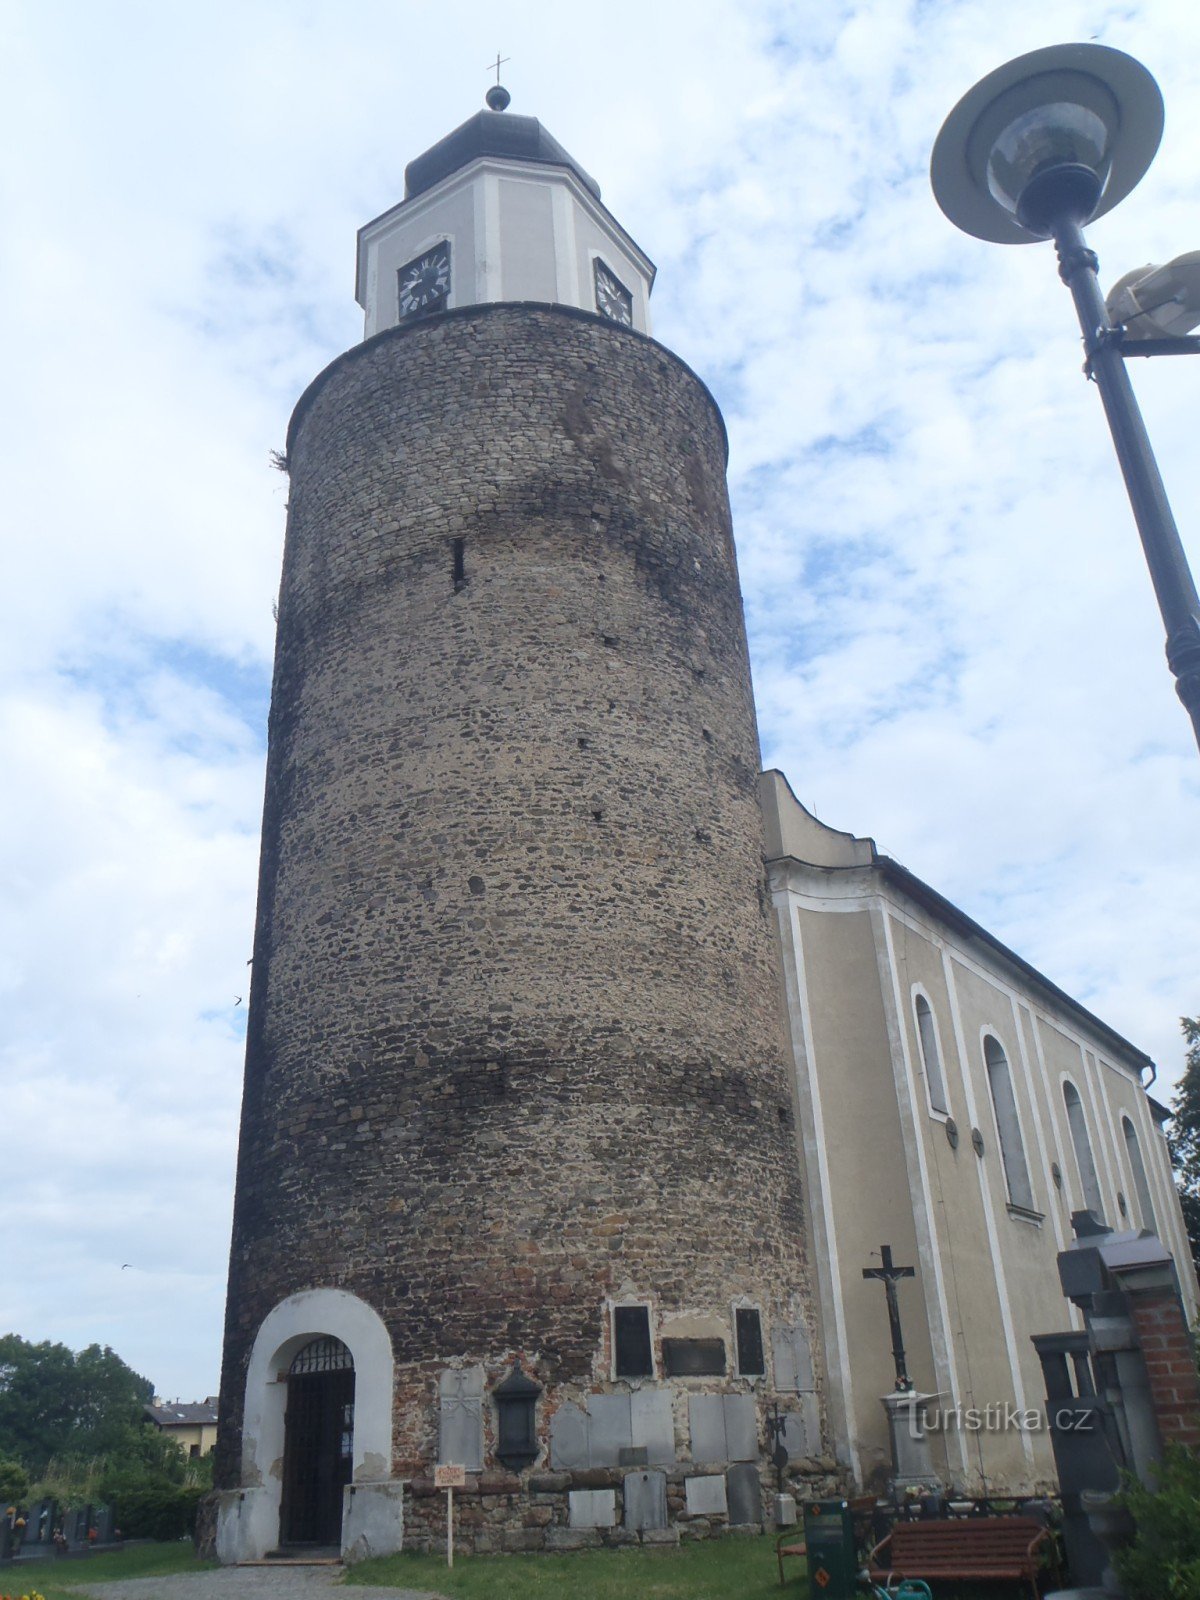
1077 1122
1138 1167
927 1034
1008 1125
322 1355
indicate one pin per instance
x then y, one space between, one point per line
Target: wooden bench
790 1543
961 1548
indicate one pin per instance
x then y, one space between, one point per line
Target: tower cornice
521 308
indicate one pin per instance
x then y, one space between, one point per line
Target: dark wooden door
317 1456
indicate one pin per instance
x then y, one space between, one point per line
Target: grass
741 1568
59 1579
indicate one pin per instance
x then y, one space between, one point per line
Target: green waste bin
832 1554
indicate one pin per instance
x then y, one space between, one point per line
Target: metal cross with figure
494 66
890 1275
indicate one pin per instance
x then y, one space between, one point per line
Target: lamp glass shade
1082 108
1059 134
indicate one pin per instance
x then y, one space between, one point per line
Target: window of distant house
927 1034
1142 1187
633 1354
1077 1122
751 1359
1008 1125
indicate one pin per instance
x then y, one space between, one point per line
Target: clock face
613 299
425 282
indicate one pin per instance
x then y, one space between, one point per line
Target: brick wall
1170 1364
514 1040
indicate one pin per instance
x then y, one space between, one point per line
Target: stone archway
249 1518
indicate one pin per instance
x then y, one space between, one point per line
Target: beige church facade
958 1107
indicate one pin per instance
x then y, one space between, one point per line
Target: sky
955 645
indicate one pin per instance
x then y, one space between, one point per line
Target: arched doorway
318 1450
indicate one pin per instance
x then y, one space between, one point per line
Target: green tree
1185 1135
14 1484
56 1403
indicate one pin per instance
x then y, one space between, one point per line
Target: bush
14 1483
156 1510
1163 1562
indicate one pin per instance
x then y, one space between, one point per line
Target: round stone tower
518 1185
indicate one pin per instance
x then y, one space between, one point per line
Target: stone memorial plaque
693 1358
745 1495
653 1425
609 1429
569 1438
593 1508
460 1417
706 1420
645 1500
793 1359
741 1427
706 1497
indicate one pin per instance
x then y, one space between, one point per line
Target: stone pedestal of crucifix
912 1466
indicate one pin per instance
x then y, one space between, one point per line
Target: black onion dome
490 133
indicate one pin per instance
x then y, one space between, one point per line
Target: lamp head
1158 302
1058 135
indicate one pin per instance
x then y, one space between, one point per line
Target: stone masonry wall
514 1043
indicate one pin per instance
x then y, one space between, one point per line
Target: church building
585 1069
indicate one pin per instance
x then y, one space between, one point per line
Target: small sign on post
449 1477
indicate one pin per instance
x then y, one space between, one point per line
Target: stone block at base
372 1520
247 1525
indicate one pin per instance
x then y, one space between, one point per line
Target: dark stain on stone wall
503 989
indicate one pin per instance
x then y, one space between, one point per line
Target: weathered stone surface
645 1498
593 1508
548 1482
652 1425
707 1496
610 1428
573 1539
745 1494
792 1357
514 1033
460 1417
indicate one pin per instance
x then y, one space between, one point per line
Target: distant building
957 1106
191 1423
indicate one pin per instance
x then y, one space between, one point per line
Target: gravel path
249 1583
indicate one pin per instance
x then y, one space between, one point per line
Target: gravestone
645 1501
611 1425
802 1429
793 1359
610 1428
569 1438
41 1523
593 1508
707 1497
653 1425
745 1494
460 1418
104 1523
724 1427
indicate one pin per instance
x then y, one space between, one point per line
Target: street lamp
1035 150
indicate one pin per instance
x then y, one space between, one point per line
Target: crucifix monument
912 1467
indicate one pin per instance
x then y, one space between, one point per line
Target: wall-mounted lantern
516 1401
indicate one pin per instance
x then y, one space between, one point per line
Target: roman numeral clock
425 282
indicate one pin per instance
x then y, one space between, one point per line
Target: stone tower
518 1184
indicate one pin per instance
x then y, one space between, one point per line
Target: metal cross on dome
500 61
890 1275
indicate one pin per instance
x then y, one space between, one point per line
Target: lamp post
1033 152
